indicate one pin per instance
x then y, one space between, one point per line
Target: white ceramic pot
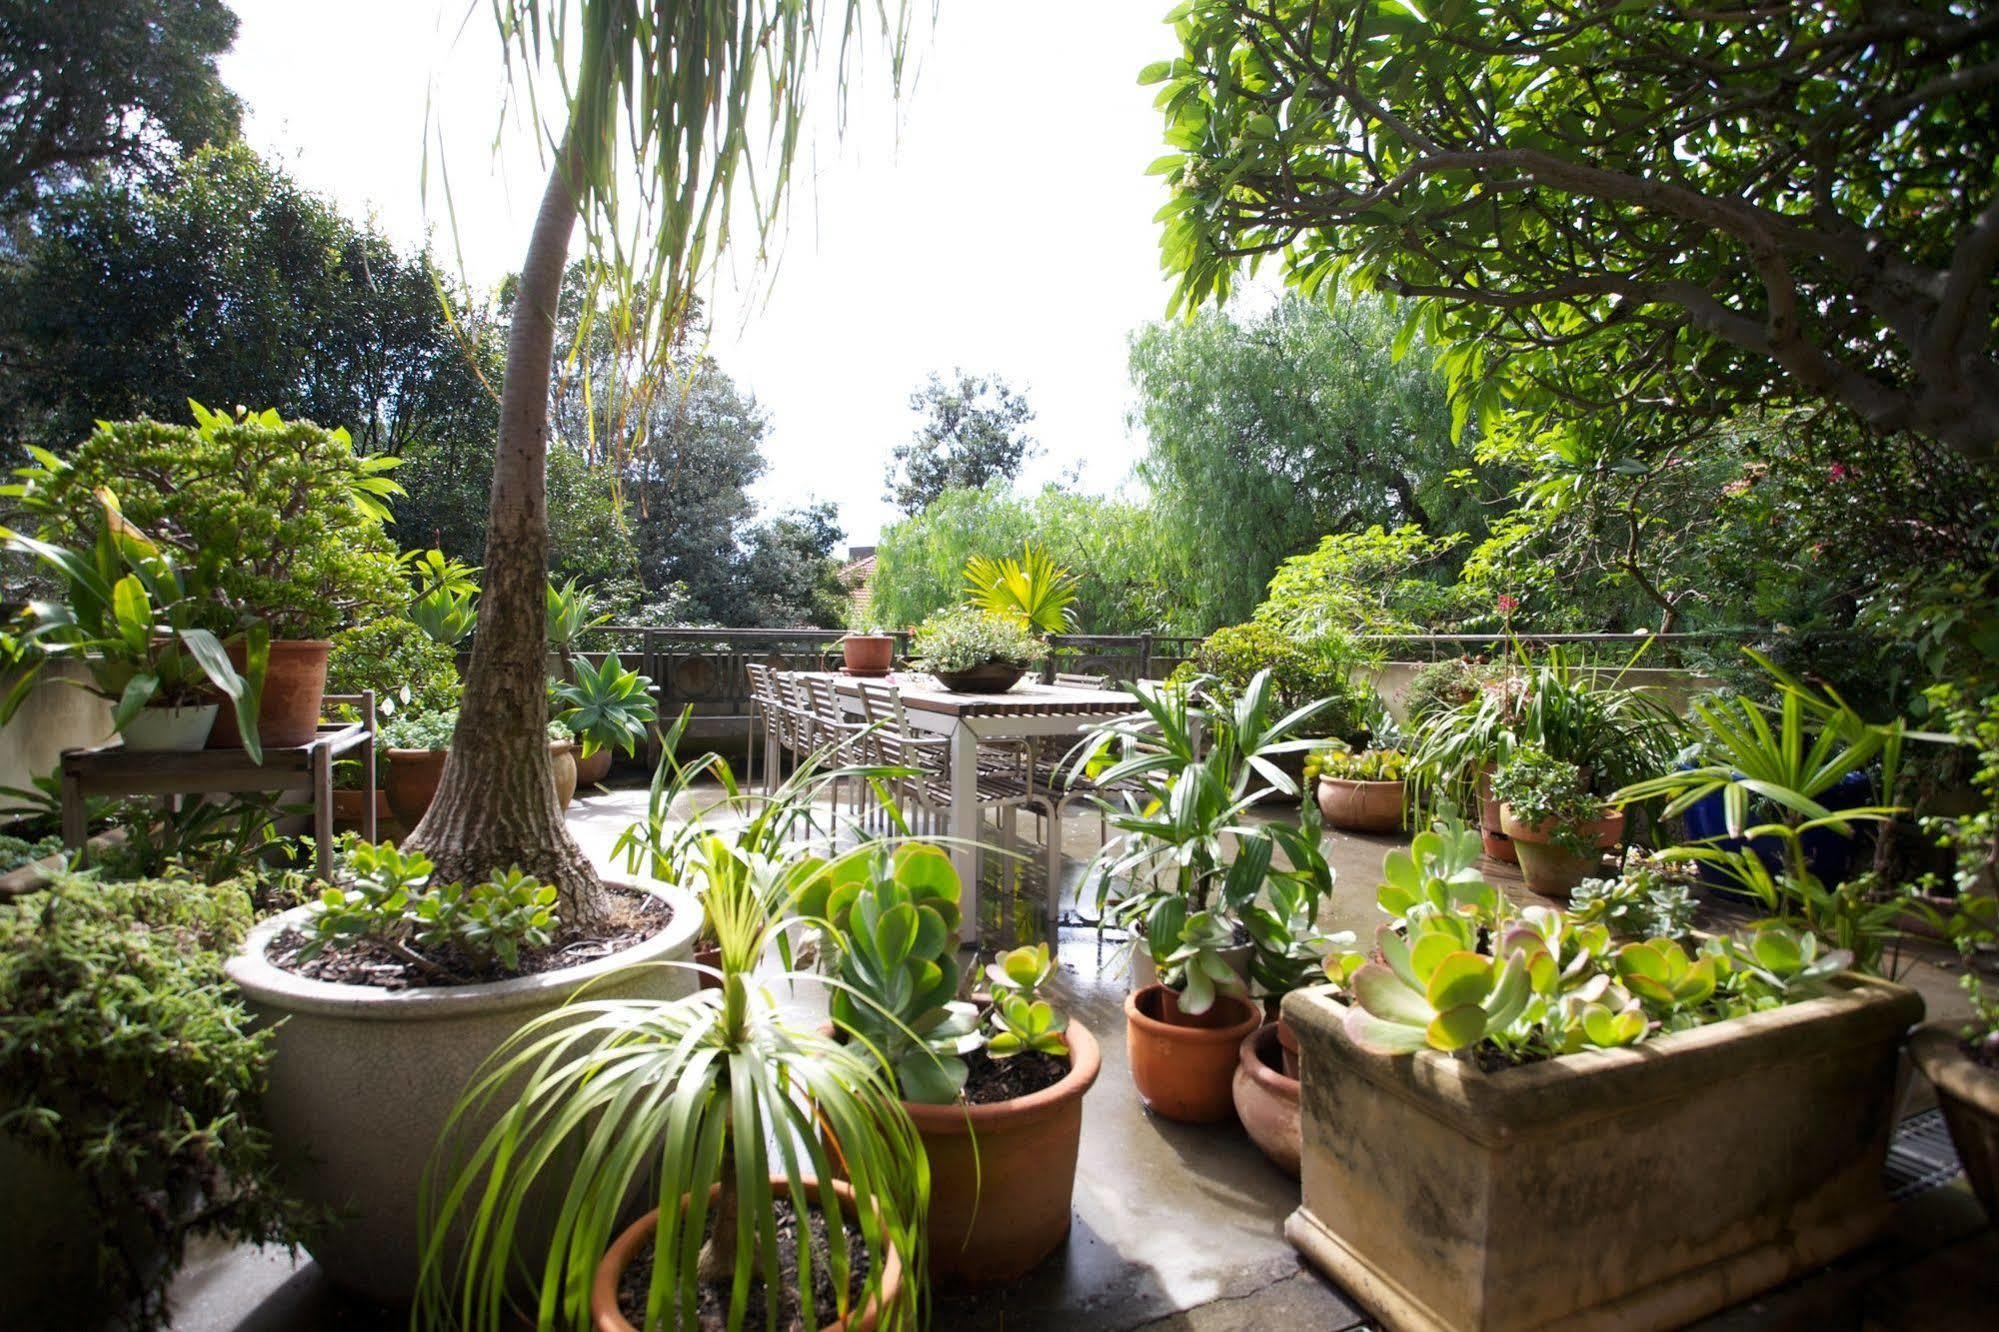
170 730
1145 972
363 1079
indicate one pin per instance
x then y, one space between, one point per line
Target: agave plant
571 611
1033 588
605 706
703 1103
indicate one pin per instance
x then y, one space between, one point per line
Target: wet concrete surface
1180 1227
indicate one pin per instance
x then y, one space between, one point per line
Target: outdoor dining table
1029 710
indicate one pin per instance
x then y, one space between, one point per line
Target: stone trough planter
1630 1190
363 1079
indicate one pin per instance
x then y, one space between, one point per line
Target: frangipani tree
670 120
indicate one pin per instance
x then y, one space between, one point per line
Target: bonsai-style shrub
1301 671
965 637
127 1060
407 669
1461 970
281 519
1547 793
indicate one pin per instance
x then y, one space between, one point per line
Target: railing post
1144 656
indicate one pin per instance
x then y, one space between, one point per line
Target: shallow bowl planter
605 1316
1366 807
1184 1066
294 693
362 1079
1552 870
171 730
1002 1175
1968 1093
1266 1101
1627 1189
994 677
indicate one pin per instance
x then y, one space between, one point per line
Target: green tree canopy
93 86
1268 432
974 431
1700 208
228 284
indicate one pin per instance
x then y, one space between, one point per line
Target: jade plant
1021 1021
1459 970
388 896
713 1106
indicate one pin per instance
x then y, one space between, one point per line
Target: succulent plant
1021 1020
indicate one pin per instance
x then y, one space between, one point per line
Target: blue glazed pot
1829 855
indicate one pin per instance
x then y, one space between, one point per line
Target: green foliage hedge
126 1058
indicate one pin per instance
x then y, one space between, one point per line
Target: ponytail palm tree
692 109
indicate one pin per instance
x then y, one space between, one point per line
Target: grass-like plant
715 1093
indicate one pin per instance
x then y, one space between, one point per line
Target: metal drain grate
1920 1156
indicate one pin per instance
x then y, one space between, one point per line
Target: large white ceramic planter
1614 1191
171 730
363 1079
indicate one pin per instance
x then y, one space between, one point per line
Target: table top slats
1029 698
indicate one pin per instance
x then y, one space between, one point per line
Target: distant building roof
855 575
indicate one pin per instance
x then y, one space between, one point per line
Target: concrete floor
1179 1227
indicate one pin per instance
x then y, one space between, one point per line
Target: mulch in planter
712 1305
634 918
989 1081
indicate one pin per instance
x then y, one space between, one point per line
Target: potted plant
386 994
408 672
414 745
129 1108
1183 867
607 708
280 520
1364 792
975 651
1546 1077
134 620
868 653
997 1097
1558 829
751 1126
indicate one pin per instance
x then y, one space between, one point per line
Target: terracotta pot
1496 843
1968 1093
1266 1100
294 690
562 758
1001 1175
1552 870
995 677
867 654
170 730
709 955
606 1317
1184 1065
1369 807
411 782
1287 1040
348 806
594 769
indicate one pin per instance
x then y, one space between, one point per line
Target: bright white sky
1006 228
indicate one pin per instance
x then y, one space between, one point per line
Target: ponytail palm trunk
667 100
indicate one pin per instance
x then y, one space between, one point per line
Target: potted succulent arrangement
607 708
996 1095
1553 1074
1559 831
1613 734
281 520
1179 776
388 992
790 1182
134 619
975 651
1364 792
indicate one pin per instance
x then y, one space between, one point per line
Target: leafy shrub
282 518
965 637
408 671
1547 793
18 851
126 1057
1364 583
1443 685
419 730
1300 672
388 896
